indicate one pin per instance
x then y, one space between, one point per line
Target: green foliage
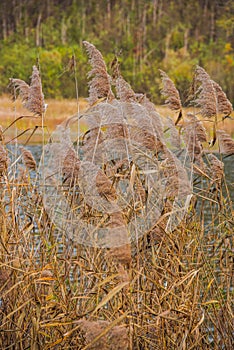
169 35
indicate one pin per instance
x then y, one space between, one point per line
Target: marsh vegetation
105 243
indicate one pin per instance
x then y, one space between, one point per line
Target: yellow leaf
110 295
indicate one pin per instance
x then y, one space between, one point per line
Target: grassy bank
60 110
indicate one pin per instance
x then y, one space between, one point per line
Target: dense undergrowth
105 244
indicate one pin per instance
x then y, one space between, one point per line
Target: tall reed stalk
165 284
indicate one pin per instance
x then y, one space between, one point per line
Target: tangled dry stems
166 290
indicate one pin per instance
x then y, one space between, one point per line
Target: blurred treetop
147 35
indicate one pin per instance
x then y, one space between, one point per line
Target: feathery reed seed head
226 143
100 84
32 95
28 159
3 159
170 92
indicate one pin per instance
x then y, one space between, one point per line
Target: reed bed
145 276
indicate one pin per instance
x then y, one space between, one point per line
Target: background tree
170 35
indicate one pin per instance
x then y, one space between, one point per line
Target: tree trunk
63 32
186 36
167 46
212 24
155 7
38 27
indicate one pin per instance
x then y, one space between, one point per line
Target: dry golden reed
170 92
206 95
1 135
28 159
224 105
115 339
211 99
163 289
226 143
32 95
99 86
216 167
198 127
3 159
71 168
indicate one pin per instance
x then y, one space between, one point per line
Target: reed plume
193 144
71 168
1 135
154 115
226 143
170 92
32 95
199 128
3 160
206 98
224 105
100 84
113 253
28 159
124 91
115 339
104 186
210 97
121 254
174 134
216 167
194 134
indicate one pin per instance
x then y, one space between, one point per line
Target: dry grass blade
99 86
110 295
170 92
